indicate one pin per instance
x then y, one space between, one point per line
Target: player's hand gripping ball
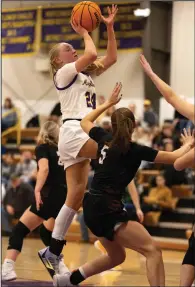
87 14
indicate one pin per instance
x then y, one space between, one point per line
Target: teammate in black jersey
50 194
104 213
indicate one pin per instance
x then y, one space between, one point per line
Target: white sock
63 222
9 261
82 272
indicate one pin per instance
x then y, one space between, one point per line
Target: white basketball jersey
78 98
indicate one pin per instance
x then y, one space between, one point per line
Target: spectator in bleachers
9 116
160 195
143 136
133 108
105 123
150 117
27 168
8 168
17 198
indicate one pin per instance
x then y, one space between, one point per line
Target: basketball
88 13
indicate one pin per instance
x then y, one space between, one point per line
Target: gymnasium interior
164 32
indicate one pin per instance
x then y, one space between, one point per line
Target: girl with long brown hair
104 214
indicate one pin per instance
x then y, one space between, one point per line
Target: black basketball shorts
53 198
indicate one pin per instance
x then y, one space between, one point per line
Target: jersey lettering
103 154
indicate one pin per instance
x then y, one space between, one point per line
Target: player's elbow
92 56
178 165
44 170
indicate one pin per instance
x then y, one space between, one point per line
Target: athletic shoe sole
47 264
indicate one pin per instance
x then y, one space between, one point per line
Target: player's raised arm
171 157
87 121
111 54
183 107
185 161
90 53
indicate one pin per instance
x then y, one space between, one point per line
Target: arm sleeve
41 152
65 75
146 153
99 135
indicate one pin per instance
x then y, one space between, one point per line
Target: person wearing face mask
27 168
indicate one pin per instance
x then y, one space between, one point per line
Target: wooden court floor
133 273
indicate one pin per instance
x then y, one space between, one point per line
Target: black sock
45 235
76 277
56 246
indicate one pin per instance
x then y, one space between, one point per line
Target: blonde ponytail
52 55
95 66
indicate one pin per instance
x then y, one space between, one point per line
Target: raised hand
188 137
115 97
109 21
78 28
145 65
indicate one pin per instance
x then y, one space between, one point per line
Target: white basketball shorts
71 139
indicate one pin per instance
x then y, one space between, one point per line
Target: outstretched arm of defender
183 107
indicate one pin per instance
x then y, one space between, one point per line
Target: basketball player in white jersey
187 275
76 91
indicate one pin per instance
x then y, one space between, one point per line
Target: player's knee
45 235
118 257
152 249
17 236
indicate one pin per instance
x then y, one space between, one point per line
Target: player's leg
76 177
27 223
115 255
46 234
187 274
134 236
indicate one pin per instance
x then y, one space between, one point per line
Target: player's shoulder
41 147
99 135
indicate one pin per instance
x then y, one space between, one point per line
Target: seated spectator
27 168
150 117
143 136
160 195
105 123
8 167
172 176
9 116
16 200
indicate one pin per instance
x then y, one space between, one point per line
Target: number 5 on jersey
103 154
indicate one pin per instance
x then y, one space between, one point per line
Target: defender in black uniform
187 275
104 213
50 194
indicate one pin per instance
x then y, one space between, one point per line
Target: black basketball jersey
115 170
56 174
